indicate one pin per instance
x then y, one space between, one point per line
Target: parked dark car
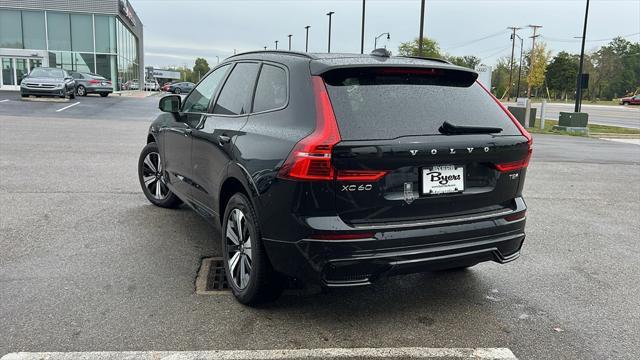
44 81
630 100
180 87
341 169
88 83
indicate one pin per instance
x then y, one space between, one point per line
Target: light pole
375 43
513 43
276 44
421 28
289 41
329 42
306 41
362 34
579 81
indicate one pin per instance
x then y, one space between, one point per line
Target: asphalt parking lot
87 264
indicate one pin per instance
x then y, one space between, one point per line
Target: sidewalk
135 93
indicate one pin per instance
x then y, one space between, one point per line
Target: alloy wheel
80 90
239 252
153 177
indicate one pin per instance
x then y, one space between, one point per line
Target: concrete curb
330 353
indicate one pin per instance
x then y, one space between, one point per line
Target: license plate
443 179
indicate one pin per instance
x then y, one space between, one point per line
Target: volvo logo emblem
413 152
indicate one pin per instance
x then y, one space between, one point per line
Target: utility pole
276 44
578 106
289 41
306 41
519 67
329 42
513 44
531 57
421 28
362 34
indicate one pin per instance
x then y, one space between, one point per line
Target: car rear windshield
387 103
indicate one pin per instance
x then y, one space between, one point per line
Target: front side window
271 91
199 99
235 97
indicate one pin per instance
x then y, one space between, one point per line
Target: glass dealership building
97 36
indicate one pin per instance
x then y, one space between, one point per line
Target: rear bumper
99 90
400 250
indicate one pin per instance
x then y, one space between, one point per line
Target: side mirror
68 78
170 103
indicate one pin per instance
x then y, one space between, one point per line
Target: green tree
200 69
468 61
562 74
500 77
430 48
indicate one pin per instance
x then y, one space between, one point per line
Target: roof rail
279 52
427 58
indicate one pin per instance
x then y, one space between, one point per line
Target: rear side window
271 90
235 97
387 103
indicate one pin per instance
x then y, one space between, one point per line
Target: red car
166 85
630 100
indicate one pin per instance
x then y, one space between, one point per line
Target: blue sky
177 31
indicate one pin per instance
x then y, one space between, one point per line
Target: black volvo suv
341 168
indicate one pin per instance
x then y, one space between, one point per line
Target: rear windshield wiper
449 128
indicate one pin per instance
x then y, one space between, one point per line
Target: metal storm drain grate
211 277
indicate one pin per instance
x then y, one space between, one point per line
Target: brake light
410 71
345 236
310 159
516 165
94 81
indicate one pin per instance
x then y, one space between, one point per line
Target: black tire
72 95
264 284
104 94
81 91
24 95
177 91
167 199
625 103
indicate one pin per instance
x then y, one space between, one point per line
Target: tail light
94 81
310 159
520 164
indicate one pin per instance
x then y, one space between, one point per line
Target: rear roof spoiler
321 67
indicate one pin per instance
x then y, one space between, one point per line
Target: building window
33 30
10 29
81 32
105 34
59 29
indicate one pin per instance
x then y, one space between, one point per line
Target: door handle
188 132
224 139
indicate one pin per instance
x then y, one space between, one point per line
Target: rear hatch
430 143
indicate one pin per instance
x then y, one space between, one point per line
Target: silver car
89 83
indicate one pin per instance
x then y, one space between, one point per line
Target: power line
466 43
588 40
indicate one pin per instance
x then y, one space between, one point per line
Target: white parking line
335 353
5 100
68 106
